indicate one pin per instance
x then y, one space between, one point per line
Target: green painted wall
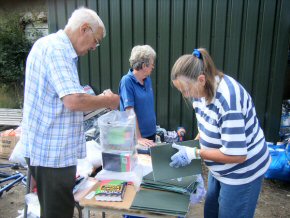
247 39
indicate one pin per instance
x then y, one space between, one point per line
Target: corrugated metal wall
247 39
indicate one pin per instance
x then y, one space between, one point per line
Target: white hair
141 54
84 15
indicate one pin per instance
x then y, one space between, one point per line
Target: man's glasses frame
96 40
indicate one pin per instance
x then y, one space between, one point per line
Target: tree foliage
14 48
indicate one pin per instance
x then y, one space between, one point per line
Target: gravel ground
274 200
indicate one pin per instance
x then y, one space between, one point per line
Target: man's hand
107 91
183 157
114 99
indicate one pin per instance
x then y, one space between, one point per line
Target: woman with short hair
136 93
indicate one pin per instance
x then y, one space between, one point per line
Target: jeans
228 201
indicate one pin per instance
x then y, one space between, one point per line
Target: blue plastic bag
280 164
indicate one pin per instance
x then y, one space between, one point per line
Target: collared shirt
140 97
52 135
229 123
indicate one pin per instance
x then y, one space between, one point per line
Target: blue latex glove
183 157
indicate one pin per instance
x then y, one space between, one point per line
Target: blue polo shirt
140 97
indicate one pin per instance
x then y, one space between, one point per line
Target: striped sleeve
233 135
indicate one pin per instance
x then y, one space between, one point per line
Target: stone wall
35 24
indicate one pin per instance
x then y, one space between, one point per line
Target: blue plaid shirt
52 135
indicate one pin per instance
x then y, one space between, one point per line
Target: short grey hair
141 54
84 15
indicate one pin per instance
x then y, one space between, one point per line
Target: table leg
28 190
86 212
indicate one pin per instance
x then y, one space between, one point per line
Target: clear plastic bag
117 130
134 176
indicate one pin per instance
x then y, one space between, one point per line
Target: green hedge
14 48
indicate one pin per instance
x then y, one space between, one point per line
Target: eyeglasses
95 39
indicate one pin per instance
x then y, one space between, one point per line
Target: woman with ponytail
232 143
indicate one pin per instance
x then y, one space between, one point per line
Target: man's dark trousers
54 190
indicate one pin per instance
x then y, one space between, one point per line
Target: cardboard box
7 144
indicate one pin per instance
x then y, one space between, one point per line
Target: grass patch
11 97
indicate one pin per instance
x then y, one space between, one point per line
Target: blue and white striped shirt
229 123
53 136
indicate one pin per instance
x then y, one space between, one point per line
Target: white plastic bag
146 163
84 168
17 155
200 191
32 202
94 153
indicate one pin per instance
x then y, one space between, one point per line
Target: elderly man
54 102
